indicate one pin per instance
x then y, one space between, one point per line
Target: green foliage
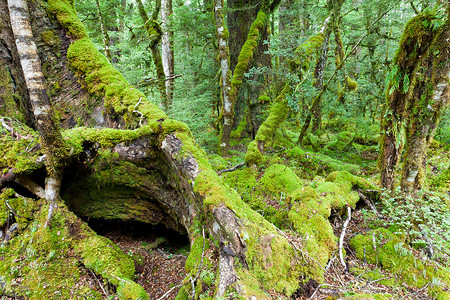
424 218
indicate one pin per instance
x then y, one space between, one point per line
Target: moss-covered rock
44 261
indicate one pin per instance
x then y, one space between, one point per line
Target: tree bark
412 51
155 33
429 97
106 39
167 47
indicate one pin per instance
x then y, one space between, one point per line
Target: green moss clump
67 16
443 181
280 179
350 83
309 217
396 257
243 181
235 134
253 156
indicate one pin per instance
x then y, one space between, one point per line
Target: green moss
396 257
8 105
278 113
374 275
280 179
243 181
350 83
253 156
67 16
443 180
182 294
241 127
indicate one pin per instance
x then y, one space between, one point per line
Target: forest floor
161 270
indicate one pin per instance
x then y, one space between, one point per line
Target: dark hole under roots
140 231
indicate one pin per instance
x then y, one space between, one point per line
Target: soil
159 255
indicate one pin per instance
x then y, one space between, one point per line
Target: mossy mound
309 164
390 251
309 217
20 154
44 261
443 181
279 179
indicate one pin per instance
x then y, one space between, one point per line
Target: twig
168 292
231 169
136 111
341 239
12 210
368 202
100 284
315 291
301 251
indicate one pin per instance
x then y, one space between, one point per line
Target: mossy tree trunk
224 61
153 172
428 98
414 45
334 8
245 57
155 33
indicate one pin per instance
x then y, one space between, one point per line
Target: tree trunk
244 60
429 97
106 39
51 140
154 33
167 47
412 51
224 61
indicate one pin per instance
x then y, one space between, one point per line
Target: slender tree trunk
224 61
154 33
167 47
51 139
319 71
106 39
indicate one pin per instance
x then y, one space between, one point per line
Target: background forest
315 163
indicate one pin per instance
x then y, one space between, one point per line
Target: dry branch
231 169
341 239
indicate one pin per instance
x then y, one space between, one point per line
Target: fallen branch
100 284
341 239
168 292
301 251
231 169
368 202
